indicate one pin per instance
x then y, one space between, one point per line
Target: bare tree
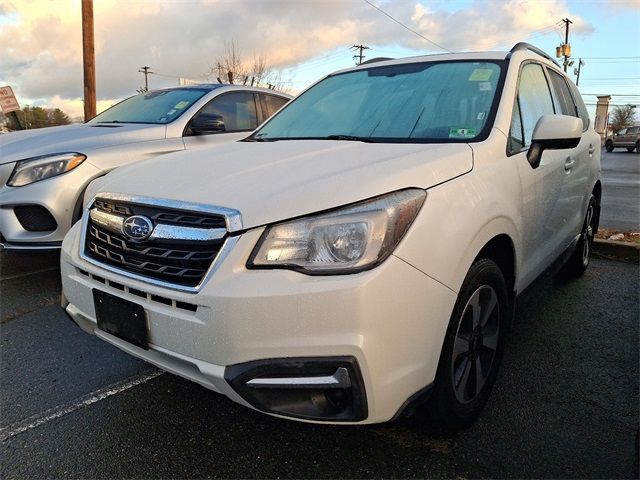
622 116
233 67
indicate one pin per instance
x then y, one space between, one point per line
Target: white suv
360 252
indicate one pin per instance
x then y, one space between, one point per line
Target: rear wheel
631 149
608 146
472 348
581 257
638 146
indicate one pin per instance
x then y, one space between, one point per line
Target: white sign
8 102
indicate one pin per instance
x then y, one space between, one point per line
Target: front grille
172 260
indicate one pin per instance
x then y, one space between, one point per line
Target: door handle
569 163
591 149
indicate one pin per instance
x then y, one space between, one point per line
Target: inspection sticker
462 132
484 86
181 105
480 75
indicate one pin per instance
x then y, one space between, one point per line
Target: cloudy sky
41 54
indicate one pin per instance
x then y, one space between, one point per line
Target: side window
622 132
534 98
516 137
274 103
582 108
565 101
238 111
633 131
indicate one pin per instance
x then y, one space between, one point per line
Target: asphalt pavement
620 190
565 404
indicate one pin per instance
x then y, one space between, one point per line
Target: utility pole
146 71
88 60
567 49
359 56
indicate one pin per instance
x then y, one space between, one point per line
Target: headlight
38 168
347 240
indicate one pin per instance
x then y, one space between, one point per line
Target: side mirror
204 123
553 132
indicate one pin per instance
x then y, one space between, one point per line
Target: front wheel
472 347
581 257
608 146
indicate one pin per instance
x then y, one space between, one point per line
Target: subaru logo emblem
137 227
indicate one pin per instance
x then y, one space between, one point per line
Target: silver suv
628 138
44 172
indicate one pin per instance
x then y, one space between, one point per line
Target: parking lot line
35 272
69 407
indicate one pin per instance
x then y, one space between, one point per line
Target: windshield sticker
462 133
480 75
481 116
484 86
171 112
181 105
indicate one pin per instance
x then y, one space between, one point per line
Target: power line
534 33
609 58
408 28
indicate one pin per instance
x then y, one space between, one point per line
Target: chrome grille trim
232 218
114 224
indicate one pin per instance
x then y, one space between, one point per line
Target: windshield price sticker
462 133
480 75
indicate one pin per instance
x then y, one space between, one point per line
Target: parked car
44 172
357 254
628 138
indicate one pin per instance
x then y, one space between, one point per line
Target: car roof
520 51
209 87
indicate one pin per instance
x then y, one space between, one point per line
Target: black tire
631 149
608 145
638 146
581 257
457 400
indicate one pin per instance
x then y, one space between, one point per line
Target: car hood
269 182
73 138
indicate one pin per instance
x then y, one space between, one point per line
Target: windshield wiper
350 138
112 121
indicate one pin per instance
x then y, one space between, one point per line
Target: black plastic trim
413 402
237 376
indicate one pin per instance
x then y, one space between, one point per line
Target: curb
628 252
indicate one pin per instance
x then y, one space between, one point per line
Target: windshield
416 102
161 106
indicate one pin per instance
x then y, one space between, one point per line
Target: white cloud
42 55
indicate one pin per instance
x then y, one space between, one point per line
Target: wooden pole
88 60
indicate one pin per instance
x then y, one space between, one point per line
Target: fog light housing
310 388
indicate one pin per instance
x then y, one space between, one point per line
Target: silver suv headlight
39 168
346 240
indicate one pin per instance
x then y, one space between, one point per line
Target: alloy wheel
475 345
587 234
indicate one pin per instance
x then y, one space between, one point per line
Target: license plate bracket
121 318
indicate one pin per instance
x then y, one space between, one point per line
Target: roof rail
528 46
377 59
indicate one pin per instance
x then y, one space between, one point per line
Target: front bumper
391 320
58 196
